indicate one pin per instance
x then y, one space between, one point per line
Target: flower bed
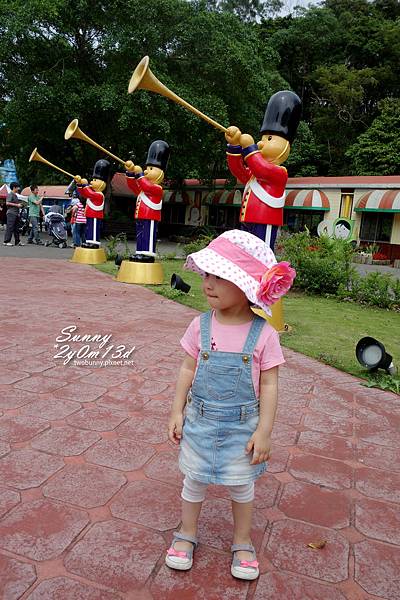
363 257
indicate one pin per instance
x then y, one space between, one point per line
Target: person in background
13 205
35 210
78 215
70 216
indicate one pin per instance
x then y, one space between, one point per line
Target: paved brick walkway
89 486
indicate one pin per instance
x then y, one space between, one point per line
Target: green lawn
323 328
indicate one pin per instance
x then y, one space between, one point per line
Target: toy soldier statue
93 194
147 187
258 166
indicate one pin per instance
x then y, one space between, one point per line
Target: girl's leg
76 235
242 517
242 509
193 494
190 517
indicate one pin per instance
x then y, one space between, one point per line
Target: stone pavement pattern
89 485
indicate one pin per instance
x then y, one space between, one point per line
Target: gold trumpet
73 131
36 156
142 78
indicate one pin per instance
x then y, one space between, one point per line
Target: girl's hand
175 428
260 443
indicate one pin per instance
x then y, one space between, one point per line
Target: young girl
227 386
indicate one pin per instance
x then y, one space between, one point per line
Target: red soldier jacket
94 202
264 193
149 197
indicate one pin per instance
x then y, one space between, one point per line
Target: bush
323 265
198 244
375 289
114 244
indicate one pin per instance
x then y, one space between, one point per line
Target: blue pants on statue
93 230
146 237
267 233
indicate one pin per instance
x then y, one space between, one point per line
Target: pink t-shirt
231 338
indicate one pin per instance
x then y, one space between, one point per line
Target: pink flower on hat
275 282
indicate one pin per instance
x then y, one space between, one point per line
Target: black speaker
118 260
177 283
372 354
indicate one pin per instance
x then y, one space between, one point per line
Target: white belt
146 200
90 204
264 196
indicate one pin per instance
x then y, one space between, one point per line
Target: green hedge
324 267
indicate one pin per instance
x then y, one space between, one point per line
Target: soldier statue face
98 185
154 174
273 148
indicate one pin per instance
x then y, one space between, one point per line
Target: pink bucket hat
247 261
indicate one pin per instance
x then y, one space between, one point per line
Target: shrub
375 289
323 265
372 248
198 244
113 246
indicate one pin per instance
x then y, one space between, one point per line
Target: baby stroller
55 226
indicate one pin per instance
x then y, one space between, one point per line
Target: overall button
205 355
245 359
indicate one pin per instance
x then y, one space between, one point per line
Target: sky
290 4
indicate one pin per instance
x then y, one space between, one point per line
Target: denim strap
253 335
205 331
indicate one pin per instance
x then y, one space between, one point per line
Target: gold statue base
137 272
276 319
89 256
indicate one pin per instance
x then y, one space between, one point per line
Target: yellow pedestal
136 272
276 320
89 256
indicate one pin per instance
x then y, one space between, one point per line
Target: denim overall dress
222 413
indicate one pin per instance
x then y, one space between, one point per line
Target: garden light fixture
372 354
177 283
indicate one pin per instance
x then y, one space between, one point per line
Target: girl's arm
185 379
260 441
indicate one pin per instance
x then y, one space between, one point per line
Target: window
346 203
173 213
298 220
225 217
376 227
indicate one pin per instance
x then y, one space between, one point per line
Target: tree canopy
65 59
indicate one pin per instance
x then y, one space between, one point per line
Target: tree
250 10
63 59
342 58
377 151
305 155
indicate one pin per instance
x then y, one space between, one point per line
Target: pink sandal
244 569
180 559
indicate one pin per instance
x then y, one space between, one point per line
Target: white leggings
195 491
